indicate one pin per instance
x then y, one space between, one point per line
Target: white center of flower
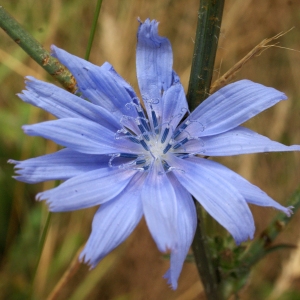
156 149
156 139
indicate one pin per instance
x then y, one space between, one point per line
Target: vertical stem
203 260
206 43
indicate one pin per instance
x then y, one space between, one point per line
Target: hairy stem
203 260
206 43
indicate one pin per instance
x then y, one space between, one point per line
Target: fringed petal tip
284 96
26 129
29 78
149 29
172 283
40 196
149 22
20 95
53 49
84 260
13 162
288 210
17 169
52 207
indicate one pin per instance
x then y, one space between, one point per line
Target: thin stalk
206 43
93 30
35 50
203 260
40 250
67 276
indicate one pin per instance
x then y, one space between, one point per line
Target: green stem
236 278
203 260
93 30
34 49
206 43
40 250
261 246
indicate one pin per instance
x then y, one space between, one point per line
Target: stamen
127 134
140 113
168 168
133 139
181 143
144 144
165 134
128 155
143 131
167 148
165 165
181 128
144 122
140 162
155 122
186 155
142 169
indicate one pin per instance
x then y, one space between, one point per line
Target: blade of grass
40 251
93 30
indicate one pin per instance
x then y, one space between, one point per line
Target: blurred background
135 269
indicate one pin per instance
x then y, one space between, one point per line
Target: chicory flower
136 160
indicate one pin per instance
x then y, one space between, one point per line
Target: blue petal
250 192
236 141
217 195
231 106
63 104
160 207
88 189
61 165
101 85
83 136
174 106
114 221
186 227
154 62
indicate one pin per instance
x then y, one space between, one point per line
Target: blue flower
136 162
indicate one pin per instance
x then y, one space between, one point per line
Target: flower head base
137 162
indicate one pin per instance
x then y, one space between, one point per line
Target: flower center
156 139
156 149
